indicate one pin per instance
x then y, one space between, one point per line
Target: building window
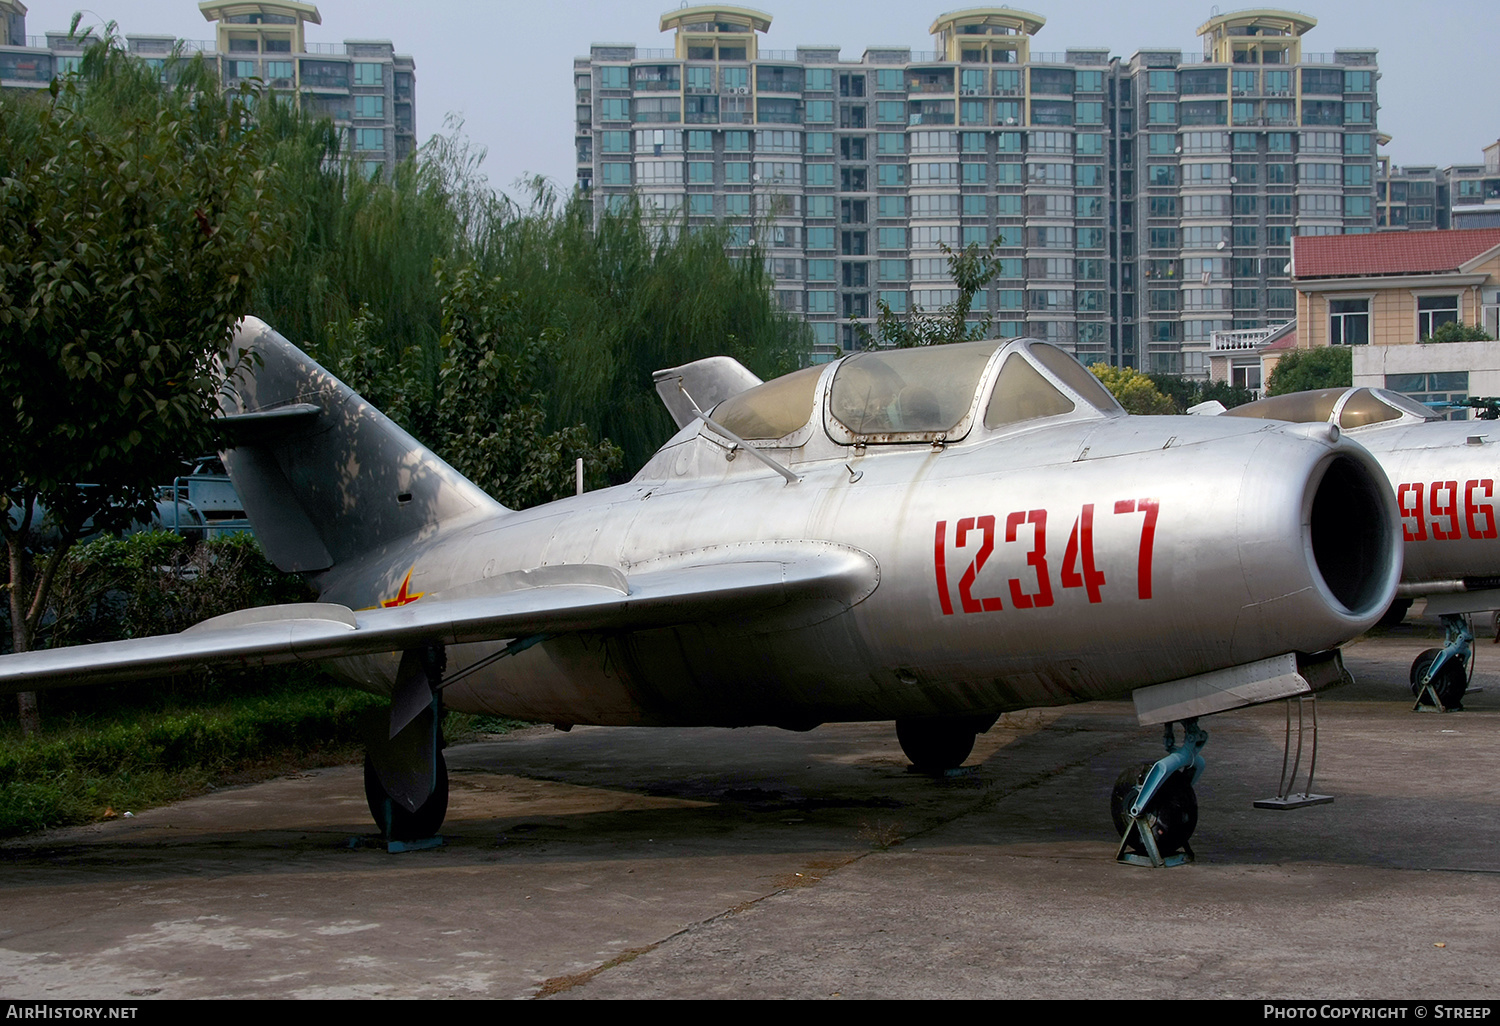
1433 312
818 79
1437 389
1246 376
369 139
819 142
367 74
1348 322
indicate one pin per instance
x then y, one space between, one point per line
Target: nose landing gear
1440 676
1153 804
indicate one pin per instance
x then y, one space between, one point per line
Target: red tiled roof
1287 341
1347 256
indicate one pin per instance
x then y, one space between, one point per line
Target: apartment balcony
1246 340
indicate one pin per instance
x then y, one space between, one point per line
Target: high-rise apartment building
1138 204
1457 196
363 85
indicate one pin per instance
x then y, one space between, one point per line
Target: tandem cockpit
938 395
1349 408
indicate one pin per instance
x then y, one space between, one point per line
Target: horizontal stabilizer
764 579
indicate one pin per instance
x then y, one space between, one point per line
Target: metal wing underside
545 601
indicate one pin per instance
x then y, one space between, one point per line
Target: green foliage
607 303
1456 331
1302 370
1134 390
75 774
971 269
133 220
1230 395
625 297
489 415
1186 393
360 248
156 582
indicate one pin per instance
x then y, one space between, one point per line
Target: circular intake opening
1351 535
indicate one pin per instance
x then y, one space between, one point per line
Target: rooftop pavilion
713 31
260 26
12 23
1259 36
986 35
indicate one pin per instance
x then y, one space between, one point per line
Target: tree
1186 393
133 223
971 269
1230 395
489 415
1302 370
1457 331
1134 390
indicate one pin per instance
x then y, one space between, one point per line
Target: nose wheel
1164 826
1440 676
1153 805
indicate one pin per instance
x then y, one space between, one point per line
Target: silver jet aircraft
1443 473
931 536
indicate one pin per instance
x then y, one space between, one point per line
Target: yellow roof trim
1269 16
1027 22
760 21
218 10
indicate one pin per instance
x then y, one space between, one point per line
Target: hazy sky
506 67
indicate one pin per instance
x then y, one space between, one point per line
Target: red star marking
402 598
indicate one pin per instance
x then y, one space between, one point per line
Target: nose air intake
1350 535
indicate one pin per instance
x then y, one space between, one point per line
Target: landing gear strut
1440 676
1153 804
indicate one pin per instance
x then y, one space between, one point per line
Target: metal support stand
1140 819
1291 763
1458 649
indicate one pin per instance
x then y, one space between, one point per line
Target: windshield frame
841 434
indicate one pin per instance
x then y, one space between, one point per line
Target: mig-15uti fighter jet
1443 473
931 536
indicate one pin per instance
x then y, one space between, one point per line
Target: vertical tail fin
323 475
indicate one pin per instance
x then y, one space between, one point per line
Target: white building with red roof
1387 294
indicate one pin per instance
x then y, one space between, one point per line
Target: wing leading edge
748 581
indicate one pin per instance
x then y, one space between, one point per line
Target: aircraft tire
1172 814
395 823
937 744
1451 682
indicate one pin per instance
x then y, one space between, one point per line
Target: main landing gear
406 778
940 744
1153 804
1440 676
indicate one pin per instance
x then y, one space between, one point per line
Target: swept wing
767 580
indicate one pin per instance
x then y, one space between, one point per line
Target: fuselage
1442 472
1065 558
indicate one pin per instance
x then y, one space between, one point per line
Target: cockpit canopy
1347 407
919 395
